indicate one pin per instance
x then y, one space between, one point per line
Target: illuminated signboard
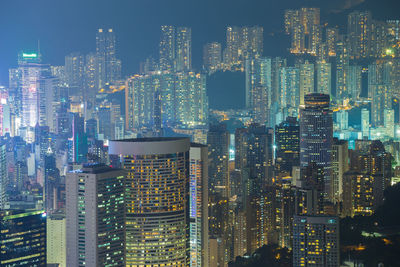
29 55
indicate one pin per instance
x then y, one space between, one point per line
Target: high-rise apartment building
332 36
304 27
379 89
324 78
316 241
167 48
157 199
358 194
108 66
22 238
212 57
365 123
74 71
258 88
306 80
358 31
242 43
95 216
183 49
289 88
182 97
354 81
342 63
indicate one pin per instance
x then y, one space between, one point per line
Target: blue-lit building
22 238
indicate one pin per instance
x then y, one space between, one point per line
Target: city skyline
133 149
63 30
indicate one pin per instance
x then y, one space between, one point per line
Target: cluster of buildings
101 170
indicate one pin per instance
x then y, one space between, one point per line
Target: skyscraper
74 71
306 80
242 43
183 49
258 88
198 205
287 140
22 238
289 88
157 199
167 48
379 90
340 165
342 63
212 57
109 67
332 36
358 30
365 123
56 240
354 80
304 24
218 140
324 78
316 136
3 176
316 241
95 217
31 71
358 194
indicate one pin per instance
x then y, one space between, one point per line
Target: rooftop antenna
38 47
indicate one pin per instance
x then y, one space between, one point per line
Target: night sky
65 26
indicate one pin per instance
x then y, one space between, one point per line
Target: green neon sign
29 55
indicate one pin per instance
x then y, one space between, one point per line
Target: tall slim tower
183 49
306 80
258 88
109 67
218 140
365 123
167 48
316 136
198 205
157 199
31 71
95 217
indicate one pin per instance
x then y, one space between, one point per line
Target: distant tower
183 49
365 123
212 57
359 30
306 80
109 67
167 48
